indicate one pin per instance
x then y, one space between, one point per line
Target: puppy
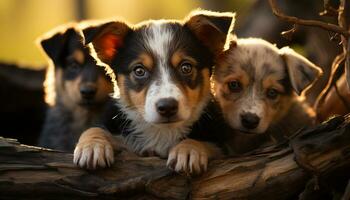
163 71
258 86
76 88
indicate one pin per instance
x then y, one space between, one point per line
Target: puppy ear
211 28
302 72
54 45
106 39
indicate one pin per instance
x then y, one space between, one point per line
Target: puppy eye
235 86
139 71
272 93
186 68
74 66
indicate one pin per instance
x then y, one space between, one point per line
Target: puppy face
165 73
78 80
255 83
162 67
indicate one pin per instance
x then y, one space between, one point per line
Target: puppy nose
250 120
88 92
167 107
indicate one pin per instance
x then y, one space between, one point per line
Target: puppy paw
189 157
94 149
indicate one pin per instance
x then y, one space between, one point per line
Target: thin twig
346 195
314 23
344 40
347 64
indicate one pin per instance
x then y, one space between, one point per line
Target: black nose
88 92
167 107
250 120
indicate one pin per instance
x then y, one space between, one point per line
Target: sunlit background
22 21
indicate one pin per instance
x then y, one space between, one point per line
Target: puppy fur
259 89
159 63
76 89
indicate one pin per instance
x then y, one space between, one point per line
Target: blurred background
22 21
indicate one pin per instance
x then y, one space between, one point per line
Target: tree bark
316 155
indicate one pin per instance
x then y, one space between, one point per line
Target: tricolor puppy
76 89
163 73
258 86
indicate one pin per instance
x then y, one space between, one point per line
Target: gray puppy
259 89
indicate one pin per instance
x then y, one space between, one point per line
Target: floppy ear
106 39
211 28
302 72
55 44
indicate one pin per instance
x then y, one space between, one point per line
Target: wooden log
278 172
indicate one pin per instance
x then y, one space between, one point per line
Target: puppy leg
95 149
191 156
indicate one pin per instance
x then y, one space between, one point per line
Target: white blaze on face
158 38
253 104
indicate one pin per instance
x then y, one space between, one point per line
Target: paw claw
187 159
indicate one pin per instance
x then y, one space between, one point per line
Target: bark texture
314 162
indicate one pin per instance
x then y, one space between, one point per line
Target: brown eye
139 71
186 68
272 93
235 86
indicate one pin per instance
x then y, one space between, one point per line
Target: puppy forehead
158 36
258 60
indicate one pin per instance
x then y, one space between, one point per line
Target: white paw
187 159
94 149
94 154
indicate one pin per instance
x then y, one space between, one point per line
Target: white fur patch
148 137
164 88
158 38
253 104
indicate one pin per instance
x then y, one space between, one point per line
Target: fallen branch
271 173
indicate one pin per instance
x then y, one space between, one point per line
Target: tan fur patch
179 57
67 91
131 98
284 103
79 56
194 96
104 89
71 94
122 89
146 60
137 99
272 82
223 77
94 134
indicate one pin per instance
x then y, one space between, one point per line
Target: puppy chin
165 122
251 132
